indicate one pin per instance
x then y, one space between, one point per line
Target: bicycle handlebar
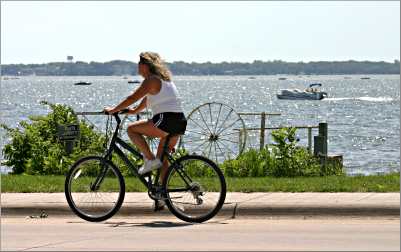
103 113
124 111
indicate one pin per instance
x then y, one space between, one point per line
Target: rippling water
363 116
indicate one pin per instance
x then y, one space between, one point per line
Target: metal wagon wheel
216 131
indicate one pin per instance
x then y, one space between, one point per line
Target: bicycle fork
95 185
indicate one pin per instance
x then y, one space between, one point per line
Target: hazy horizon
195 62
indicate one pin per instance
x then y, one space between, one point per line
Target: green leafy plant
284 158
35 148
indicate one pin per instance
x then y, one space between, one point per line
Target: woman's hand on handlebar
110 111
129 111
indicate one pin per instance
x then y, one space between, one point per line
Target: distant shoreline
277 67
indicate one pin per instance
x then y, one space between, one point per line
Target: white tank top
166 100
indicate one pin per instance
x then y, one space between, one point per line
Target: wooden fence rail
263 118
309 127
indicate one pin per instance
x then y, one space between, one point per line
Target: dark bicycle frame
113 147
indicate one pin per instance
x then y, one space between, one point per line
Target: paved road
222 233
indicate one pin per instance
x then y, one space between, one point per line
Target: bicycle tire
179 214
68 193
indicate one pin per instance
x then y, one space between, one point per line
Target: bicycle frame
114 147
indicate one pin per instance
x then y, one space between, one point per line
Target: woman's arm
144 89
138 108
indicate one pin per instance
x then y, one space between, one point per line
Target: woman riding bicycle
192 187
158 93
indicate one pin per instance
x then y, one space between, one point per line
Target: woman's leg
173 141
136 131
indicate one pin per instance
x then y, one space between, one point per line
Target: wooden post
266 137
323 132
240 139
310 140
262 130
69 146
320 146
320 141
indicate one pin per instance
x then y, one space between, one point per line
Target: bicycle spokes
94 187
201 195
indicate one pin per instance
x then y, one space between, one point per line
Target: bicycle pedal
158 205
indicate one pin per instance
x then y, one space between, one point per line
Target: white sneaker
149 165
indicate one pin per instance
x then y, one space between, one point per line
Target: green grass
379 183
376 183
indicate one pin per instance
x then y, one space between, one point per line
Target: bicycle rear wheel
195 188
94 188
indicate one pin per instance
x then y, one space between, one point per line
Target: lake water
363 116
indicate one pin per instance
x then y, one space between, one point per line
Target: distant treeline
120 67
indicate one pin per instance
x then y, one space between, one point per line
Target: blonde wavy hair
156 65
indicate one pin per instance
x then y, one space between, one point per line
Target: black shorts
171 122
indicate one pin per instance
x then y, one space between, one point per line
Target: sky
42 32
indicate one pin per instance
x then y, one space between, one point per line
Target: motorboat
10 78
134 81
82 83
310 93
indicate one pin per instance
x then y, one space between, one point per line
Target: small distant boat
251 78
125 77
134 81
309 93
365 78
10 78
347 77
282 78
83 83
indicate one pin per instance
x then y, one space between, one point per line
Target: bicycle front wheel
94 188
195 188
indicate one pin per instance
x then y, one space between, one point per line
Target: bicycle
193 188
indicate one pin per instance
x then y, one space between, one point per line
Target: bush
35 148
282 159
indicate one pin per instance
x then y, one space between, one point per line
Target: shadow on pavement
158 224
153 224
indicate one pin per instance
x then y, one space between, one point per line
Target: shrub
35 149
282 159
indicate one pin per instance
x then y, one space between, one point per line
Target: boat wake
364 98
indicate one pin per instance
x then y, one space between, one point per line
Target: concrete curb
236 205
227 210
